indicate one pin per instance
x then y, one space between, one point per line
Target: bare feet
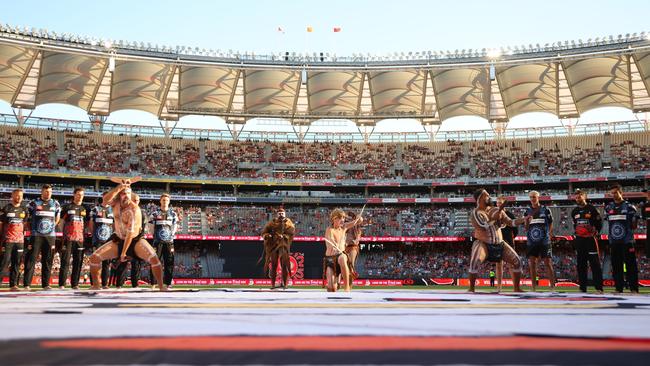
95 288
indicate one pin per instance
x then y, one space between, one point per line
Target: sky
376 27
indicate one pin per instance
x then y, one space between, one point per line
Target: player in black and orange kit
12 228
74 222
587 223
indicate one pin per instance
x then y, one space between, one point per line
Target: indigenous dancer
352 238
509 233
489 244
278 235
127 240
335 263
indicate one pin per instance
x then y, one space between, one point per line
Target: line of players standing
622 218
42 215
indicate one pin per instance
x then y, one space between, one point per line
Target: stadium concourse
299 326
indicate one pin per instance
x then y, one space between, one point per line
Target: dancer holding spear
335 263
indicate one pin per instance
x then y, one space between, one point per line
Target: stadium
302 131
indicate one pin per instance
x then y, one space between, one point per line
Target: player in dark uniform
587 224
45 213
165 223
645 214
12 228
539 226
74 222
101 227
622 217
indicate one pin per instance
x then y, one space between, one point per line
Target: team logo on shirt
45 227
103 233
617 231
165 234
536 234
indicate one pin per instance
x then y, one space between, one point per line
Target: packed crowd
37 148
24 148
312 221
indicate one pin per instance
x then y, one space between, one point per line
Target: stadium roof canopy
101 77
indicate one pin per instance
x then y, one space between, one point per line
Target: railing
383 137
353 182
